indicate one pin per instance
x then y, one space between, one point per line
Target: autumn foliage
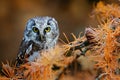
94 56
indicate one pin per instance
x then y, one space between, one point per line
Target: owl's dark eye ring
47 29
36 30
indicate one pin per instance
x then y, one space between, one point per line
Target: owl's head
42 30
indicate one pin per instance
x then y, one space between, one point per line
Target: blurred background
72 16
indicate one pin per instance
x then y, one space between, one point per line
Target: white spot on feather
34 56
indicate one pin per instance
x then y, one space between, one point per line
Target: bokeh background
72 16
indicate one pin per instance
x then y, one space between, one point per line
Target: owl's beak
41 38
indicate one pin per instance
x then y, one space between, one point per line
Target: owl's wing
24 46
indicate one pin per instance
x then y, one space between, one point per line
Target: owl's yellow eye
47 29
35 29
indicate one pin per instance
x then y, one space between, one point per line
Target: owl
41 33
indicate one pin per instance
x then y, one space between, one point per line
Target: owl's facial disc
42 30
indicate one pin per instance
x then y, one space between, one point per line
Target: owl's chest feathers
33 51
